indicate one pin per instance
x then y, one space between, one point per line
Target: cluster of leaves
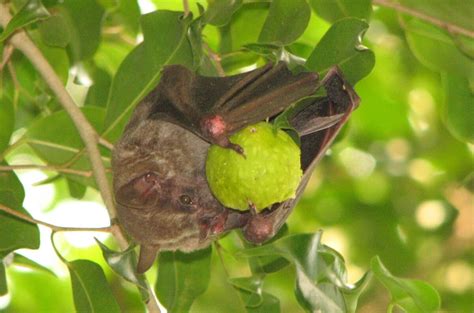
98 49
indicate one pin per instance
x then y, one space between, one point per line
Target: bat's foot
258 229
224 142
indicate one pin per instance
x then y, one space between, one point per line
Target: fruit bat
163 200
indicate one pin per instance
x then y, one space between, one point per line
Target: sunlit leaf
141 69
411 295
333 10
286 21
454 12
55 31
31 12
124 263
20 260
458 110
182 277
90 289
436 49
219 12
14 232
76 190
342 46
254 299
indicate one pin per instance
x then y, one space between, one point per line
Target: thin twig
454 29
45 168
89 136
216 58
7 54
186 8
31 220
104 142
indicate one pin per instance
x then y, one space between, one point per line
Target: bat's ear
146 258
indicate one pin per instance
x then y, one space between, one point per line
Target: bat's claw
236 148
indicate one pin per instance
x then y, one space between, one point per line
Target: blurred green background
397 183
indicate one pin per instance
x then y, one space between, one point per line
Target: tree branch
89 136
31 220
45 168
453 29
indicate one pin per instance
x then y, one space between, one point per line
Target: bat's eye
185 200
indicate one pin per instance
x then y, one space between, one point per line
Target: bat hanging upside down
162 196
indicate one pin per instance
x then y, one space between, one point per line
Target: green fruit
270 172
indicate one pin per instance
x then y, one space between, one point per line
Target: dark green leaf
255 300
141 69
84 28
182 277
3 279
436 49
458 108
99 91
7 120
23 261
15 233
130 14
413 296
219 12
55 31
31 12
341 45
56 56
124 264
333 10
90 289
76 190
286 21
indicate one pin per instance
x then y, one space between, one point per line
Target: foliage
397 183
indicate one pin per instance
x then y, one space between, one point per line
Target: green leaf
31 12
90 290
244 27
43 137
15 233
141 69
255 300
436 49
55 31
7 120
124 263
85 29
76 190
99 91
411 295
341 45
333 10
286 21
454 12
219 12
321 273
20 260
3 279
458 108
182 277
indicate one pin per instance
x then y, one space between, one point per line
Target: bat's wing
318 122
216 107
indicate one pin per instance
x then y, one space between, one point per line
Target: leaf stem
451 28
55 228
186 8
